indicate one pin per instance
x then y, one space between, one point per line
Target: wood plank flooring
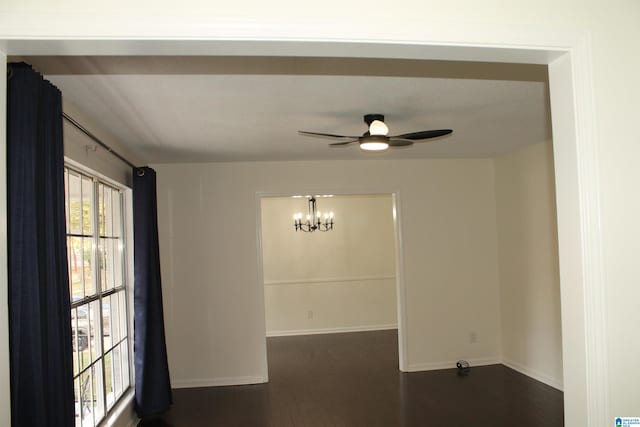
352 379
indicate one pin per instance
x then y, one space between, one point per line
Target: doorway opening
343 280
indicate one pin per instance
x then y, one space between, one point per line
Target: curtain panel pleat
41 370
152 384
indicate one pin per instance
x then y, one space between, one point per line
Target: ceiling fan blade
400 142
325 135
343 143
425 134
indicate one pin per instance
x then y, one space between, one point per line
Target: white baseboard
216 382
332 330
451 364
532 373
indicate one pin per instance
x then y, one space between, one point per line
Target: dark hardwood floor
352 379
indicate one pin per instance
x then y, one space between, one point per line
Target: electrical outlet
473 337
310 314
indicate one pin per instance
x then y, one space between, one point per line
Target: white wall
340 280
528 250
211 275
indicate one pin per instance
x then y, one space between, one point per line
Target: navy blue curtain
39 305
153 388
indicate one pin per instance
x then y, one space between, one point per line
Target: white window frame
126 230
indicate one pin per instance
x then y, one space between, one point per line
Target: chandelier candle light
315 220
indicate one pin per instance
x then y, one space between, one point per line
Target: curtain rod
96 139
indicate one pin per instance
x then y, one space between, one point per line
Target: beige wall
211 276
340 280
529 278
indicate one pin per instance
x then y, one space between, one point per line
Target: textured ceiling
185 109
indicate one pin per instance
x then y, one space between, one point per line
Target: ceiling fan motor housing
368 118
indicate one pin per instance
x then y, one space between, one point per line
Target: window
97 280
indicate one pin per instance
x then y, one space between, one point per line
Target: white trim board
339 330
217 382
402 321
535 374
327 280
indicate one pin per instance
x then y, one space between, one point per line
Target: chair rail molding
321 280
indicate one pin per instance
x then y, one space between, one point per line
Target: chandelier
315 220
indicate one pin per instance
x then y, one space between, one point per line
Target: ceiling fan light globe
378 127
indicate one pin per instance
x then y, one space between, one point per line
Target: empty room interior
432 251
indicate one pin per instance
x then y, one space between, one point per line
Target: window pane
98 394
66 199
95 346
117 200
75 201
75 341
124 353
118 277
69 271
108 383
87 254
86 399
115 318
117 372
103 264
100 208
87 202
76 393
83 337
106 323
123 313
74 255
108 212
110 245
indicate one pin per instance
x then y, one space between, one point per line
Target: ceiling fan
376 137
